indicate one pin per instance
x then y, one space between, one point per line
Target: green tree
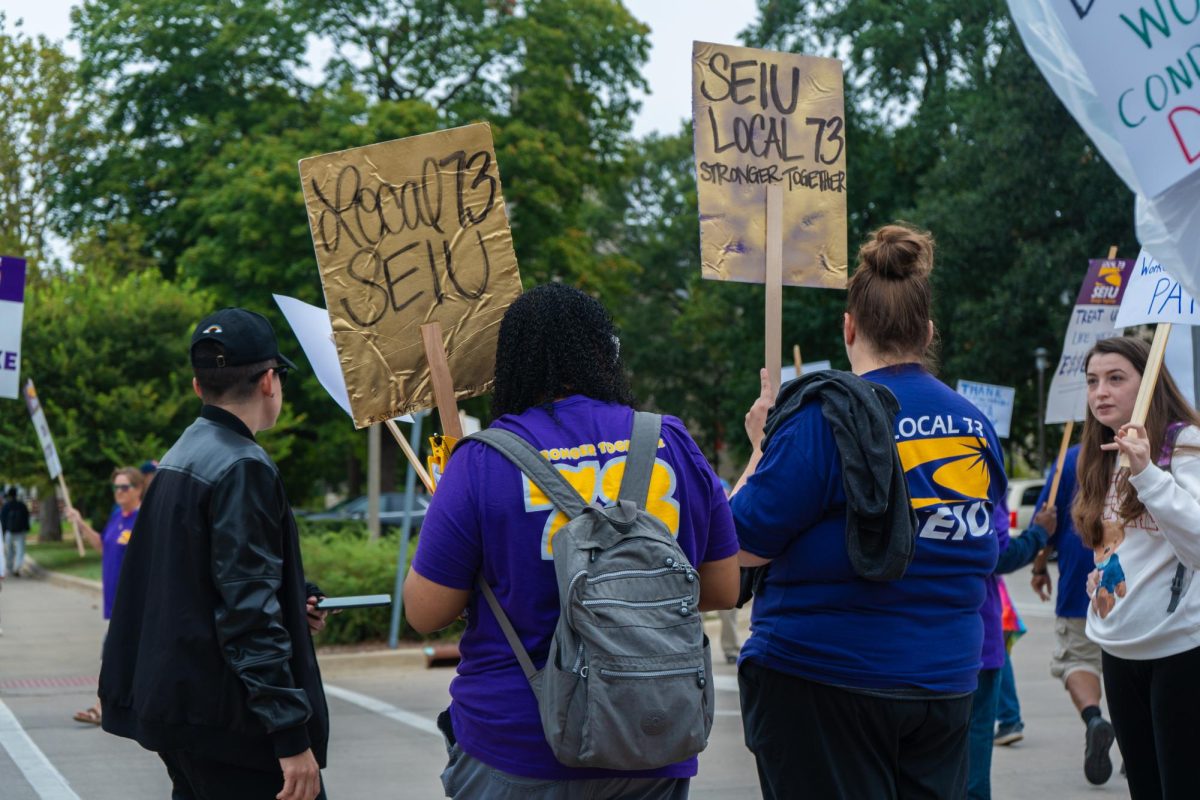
37 95
199 114
107 353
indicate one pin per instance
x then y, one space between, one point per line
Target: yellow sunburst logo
962 473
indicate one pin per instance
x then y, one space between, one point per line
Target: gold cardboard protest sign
764 118
409 232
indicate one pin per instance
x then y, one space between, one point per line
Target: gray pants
468 778
14 550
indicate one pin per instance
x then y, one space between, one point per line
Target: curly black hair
556 341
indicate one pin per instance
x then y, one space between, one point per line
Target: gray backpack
627 682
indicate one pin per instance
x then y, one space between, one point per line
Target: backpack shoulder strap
639 464
506 626
527 459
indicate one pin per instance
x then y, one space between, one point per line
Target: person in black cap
209 658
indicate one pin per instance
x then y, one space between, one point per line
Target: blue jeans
14 550
979 747
1008 707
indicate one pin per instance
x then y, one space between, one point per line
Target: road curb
381 658
371 659
62 579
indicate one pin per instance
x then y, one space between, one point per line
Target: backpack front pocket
645 712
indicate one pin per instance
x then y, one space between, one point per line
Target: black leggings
1155 706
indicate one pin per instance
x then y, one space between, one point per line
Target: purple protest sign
12 314
12 279
1104 284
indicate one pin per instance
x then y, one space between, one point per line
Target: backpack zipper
682 602
578 665
625 573
658 673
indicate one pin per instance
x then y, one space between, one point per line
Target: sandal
90 716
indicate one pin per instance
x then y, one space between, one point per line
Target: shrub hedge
340 559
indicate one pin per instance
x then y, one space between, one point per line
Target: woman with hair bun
870 499
1144 524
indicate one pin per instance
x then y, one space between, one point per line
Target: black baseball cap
244 336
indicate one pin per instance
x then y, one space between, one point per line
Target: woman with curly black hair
557 341
561 387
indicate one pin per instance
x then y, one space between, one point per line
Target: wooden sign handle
409 454
1141 406
1052 498
774 286
796 360
443 385
62 484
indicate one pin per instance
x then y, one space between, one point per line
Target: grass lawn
63 557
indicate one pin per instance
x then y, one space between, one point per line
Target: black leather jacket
209 648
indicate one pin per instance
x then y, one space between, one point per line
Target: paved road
382 709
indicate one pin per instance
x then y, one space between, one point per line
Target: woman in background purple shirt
111 542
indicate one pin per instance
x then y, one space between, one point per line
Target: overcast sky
668 71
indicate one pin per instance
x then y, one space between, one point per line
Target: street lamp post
1041 359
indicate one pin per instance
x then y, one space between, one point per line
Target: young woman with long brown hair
1149 631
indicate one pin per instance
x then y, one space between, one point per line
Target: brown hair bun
897 252
889 295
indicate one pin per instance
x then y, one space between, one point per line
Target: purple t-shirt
487 516
114 540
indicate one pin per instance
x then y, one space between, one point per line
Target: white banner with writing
1141 57
1153 295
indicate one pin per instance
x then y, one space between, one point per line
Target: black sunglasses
122 487
281 370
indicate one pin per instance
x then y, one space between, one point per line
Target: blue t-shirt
487 516
1075 559
815 617
114 540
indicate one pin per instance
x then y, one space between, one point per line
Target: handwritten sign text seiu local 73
763 118
406 233
1153 295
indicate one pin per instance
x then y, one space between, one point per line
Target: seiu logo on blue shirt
949 478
